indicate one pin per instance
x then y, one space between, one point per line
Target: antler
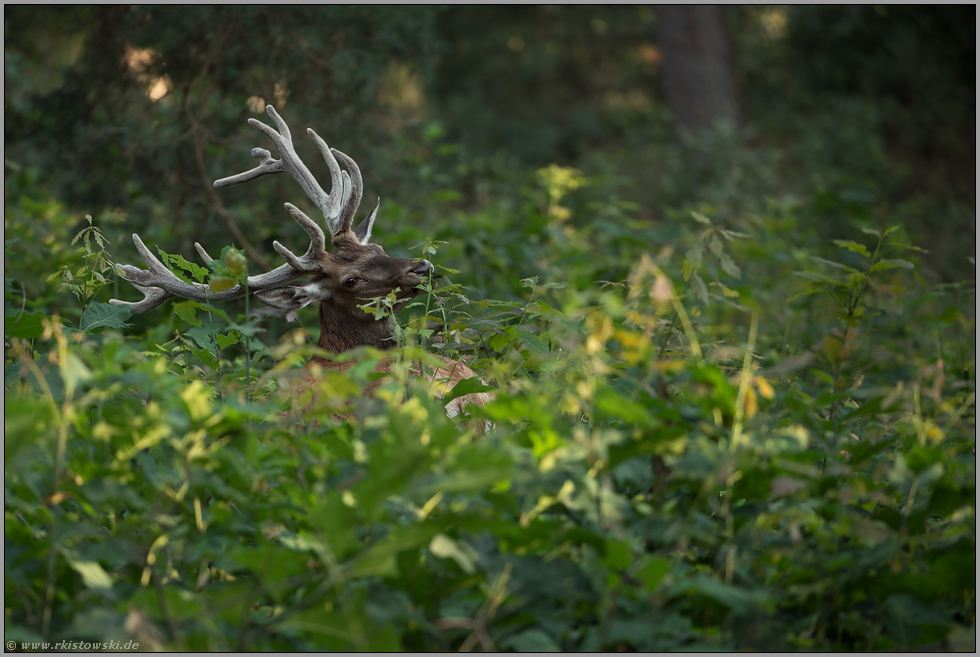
363 230
158 283
339 206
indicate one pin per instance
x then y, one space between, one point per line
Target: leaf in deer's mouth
438 271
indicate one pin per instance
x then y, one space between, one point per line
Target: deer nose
422 268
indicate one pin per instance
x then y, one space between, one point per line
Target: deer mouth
421 271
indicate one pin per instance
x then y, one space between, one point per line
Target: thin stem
908 507
58 467
663 345
743 386
168 619
248 352
729 532
84 297
428 299
681 312
519 322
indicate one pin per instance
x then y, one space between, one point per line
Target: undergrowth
728 439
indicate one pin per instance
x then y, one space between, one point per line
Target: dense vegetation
734 384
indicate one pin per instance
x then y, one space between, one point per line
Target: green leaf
248 329
905 615
739 600
187 311
29 326
542 308
93 575
466 387
732 235
500 341
700 291
907 247
534 342
446 548
921 457
820 278
225 341
196 271
203 336
694 255
700 218
610 405
652 573
895 263
27 419
853 246
104 315
687 269
729 265
726 291
532 640
617 555
222 283
871 407
832 263
236 263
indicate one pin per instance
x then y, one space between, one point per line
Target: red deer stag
355 272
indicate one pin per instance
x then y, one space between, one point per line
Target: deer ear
363 230
291 298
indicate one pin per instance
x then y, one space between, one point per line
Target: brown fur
442 380
344 326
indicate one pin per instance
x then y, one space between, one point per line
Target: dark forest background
863 112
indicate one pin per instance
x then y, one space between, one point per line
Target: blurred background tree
865 113
699 69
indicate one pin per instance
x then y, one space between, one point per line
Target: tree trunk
699 72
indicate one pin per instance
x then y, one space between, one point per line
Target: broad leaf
853 246
104 315
895 263
700 291
27 327
466 387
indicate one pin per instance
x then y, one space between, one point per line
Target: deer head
356 270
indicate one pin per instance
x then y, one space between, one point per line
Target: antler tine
318 243
329 204
152 297
204 254
357 190
334 224
157 283
158 277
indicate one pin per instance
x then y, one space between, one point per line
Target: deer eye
350 282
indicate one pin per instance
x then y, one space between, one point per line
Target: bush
744 441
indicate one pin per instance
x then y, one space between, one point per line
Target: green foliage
157 493
731 408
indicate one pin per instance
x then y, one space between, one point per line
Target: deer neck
342 330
